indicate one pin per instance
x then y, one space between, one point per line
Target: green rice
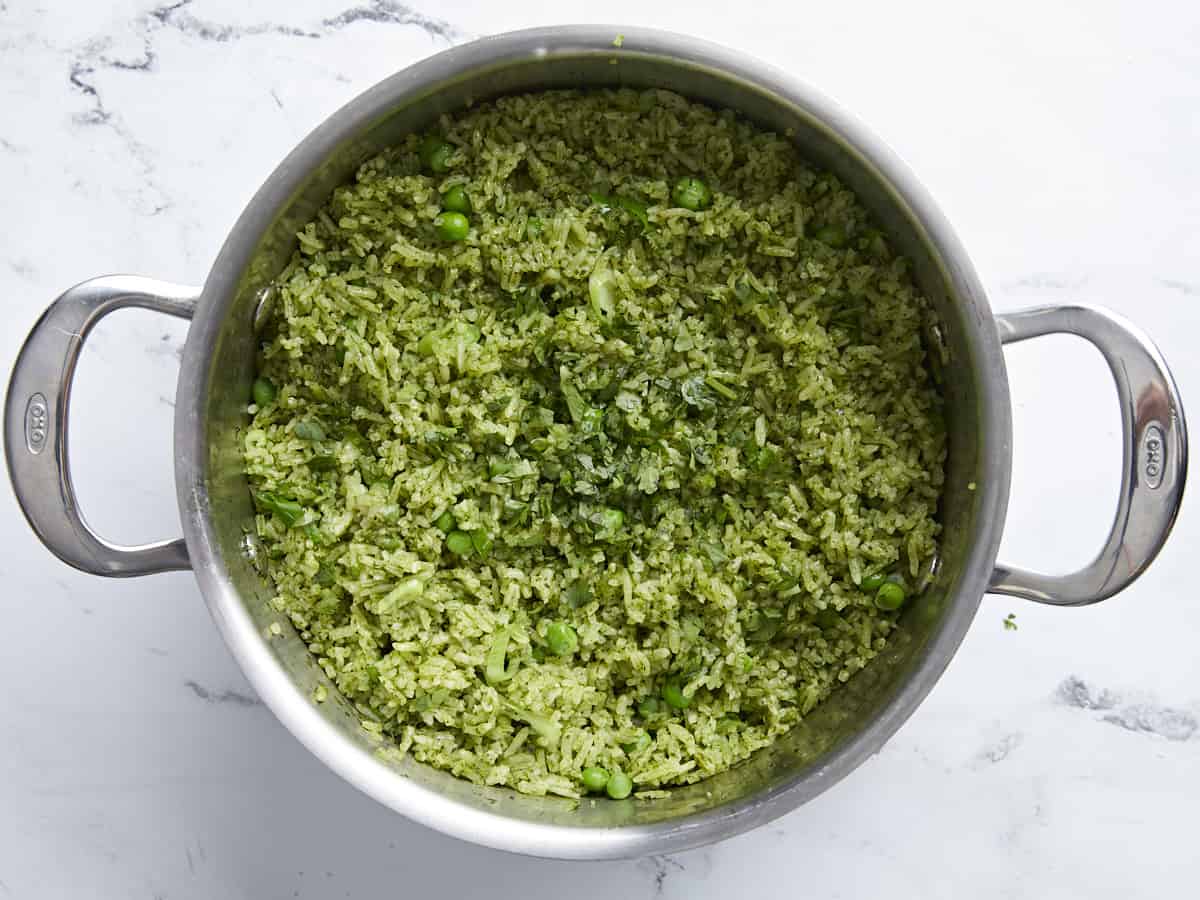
687 435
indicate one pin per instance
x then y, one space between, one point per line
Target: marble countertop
1058 760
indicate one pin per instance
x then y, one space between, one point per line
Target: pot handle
1154 454
35 423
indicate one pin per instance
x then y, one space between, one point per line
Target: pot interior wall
818 740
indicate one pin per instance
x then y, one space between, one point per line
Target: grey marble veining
1060 759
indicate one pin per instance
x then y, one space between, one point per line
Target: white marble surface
1060 138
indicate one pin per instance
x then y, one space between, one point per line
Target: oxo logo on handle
1152 454
37 424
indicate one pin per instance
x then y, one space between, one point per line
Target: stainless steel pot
214 388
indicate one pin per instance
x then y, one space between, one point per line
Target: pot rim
294 709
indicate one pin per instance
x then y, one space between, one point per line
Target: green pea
459 543
831 235
435 154
595 779
619 785
613 519
452 226
263 392
873 582
445 522
562 639
672 692
691 193
638 744
890 596
308 430
456 200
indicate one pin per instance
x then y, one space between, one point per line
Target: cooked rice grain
745 385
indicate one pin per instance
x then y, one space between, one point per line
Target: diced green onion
405 592
760 431
494 671
727 392
602 289
544 727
